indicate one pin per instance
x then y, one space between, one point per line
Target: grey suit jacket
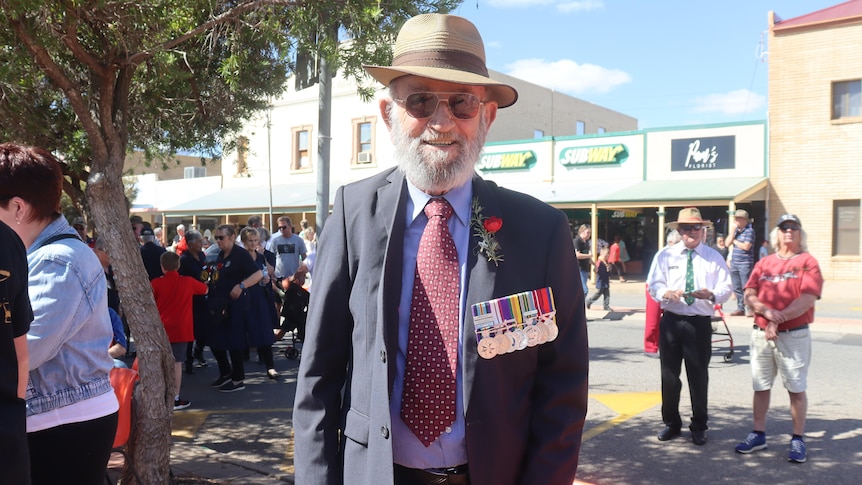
524 411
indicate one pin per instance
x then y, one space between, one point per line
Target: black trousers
684 338
72 453
235 368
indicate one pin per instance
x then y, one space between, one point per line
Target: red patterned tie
428 405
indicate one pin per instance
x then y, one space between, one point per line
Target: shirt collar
682 248
458 198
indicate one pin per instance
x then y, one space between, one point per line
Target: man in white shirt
688 279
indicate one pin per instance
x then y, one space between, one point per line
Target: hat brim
675 224
503 94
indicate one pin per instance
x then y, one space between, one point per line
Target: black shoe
698 437
231 386
669 433
220 381
190 369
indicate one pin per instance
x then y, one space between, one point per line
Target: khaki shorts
789 355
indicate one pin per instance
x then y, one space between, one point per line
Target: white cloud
568 76
737 102
582 6
562 6
519 3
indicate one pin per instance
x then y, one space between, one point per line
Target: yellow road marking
626 404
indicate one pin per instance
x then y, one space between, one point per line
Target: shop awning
610 194
713 191
250 200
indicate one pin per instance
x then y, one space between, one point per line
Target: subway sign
523 160
597 155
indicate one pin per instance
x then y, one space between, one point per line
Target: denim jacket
69 338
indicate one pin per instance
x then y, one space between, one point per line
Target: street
620 445
245 437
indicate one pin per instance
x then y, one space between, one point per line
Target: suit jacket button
383 356
384 432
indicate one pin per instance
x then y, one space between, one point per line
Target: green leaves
174 75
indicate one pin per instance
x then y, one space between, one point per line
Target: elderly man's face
437 153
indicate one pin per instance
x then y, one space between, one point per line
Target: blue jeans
585 277
739 276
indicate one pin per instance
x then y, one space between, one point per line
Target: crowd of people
65 328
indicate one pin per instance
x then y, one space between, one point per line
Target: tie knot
439 206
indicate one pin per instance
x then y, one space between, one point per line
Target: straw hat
689 215
445 48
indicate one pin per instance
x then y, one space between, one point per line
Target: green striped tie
689 278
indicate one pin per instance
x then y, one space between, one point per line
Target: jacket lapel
481 283
392 207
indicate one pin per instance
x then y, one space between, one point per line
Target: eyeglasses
689 227
219 238
464 106
281 228
788 227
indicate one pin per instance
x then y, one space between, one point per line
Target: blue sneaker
797 451
753 442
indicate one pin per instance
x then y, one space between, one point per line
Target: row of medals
536 331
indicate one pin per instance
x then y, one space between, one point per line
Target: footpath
245 437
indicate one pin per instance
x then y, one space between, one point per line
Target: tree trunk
150 442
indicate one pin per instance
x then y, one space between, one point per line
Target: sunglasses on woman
464 106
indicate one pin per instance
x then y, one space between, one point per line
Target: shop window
301 160
845 228
363 142
580 128
601 130
847 99
194 172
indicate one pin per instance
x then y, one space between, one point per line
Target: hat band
456 60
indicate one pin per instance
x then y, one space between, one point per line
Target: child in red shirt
173 294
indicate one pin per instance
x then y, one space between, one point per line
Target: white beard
430 170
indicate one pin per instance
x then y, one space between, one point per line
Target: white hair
775 239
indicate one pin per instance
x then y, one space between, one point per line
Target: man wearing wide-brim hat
687 279
393 386
740 238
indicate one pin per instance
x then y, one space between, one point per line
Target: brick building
815 131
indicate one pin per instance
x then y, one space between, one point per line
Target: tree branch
228 15
70 89
70 39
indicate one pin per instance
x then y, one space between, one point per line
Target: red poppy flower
492 224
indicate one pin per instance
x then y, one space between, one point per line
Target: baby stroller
294 311
720 328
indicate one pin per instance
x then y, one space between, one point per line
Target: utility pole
324 139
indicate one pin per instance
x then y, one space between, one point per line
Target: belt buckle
452 470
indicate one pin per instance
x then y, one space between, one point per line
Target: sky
668 63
